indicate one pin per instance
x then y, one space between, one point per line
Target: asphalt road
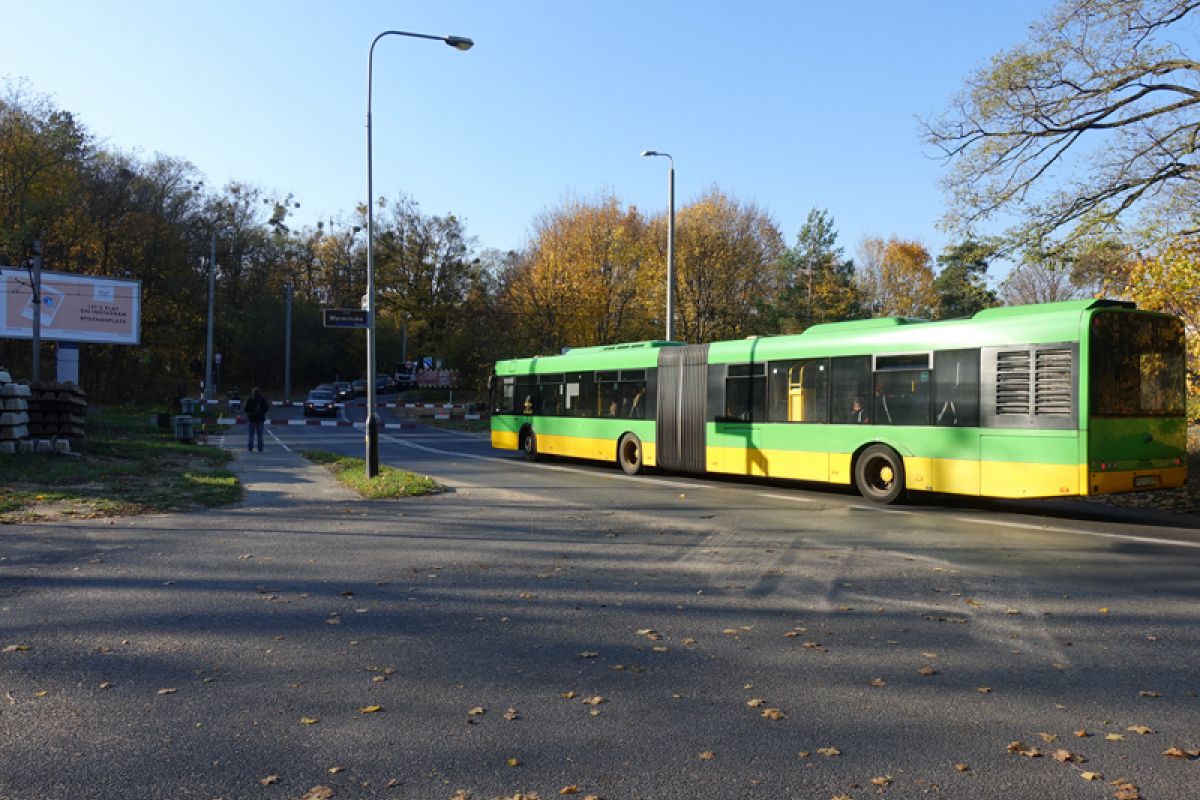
554 625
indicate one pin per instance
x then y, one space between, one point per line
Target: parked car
359 386
320 403
343 390
384 384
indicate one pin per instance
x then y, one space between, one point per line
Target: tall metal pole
287 347
671 258
36 306
670 326
372 422
212 293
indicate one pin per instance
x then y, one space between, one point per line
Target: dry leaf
1082 734
1032 752
1063 756
594 700
1016 747
927 671
511 715
773 714
707 755
1142 729
1127 791
318 793
572 789
1148 693
881 781
755 702
269 780
829 751
513 762
1091 776
961 767
477 711
1114 737
1048 737
571 695
878 683
983 689
370 709
1176 752
15 648
166 691
589 654
309 720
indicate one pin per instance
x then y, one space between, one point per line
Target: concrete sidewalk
282 477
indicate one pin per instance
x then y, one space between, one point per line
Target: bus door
682 408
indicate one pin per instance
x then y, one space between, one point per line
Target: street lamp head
459 42
649 153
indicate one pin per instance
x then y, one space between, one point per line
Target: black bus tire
629 454
529 444
879 474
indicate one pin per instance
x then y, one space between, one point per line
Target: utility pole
37 309
287 346
212 292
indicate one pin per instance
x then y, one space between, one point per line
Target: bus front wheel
529 444
629 454
879 474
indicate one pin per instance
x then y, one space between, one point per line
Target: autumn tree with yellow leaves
895 278
726 256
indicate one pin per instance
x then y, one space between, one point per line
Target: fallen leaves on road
707 755
318 793
15 648
166 691
269 780
309 720
1149 693
878 683
773 714
1141 729
829 752
370 709
1091 776
512 715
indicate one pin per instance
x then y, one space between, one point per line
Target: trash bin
187 405
184 431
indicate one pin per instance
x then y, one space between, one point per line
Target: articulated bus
1076 398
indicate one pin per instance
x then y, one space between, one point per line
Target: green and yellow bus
1082 397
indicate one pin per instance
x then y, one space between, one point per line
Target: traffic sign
345 318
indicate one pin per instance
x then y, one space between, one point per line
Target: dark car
359 386
384 384
320 403
343 390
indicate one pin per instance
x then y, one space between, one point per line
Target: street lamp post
372 422
670 334
208 350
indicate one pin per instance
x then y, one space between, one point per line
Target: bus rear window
1137 365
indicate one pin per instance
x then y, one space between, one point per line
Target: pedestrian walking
256 417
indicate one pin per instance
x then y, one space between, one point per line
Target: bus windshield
1137 365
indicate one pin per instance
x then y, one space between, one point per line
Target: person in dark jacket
256 417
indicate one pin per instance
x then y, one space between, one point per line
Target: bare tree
1096 114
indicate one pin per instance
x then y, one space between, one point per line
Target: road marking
1124 537
789 497
278 441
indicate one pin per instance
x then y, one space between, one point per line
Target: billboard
75 308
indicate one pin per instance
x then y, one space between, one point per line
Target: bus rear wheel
529 444
629 454
879 474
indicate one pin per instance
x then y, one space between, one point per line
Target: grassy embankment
126 465
390 482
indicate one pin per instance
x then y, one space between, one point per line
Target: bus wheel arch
528 442
879 473
629 453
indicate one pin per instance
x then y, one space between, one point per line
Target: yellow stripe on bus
951 476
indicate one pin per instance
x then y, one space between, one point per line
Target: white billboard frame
75 308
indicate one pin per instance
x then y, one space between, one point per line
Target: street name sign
345 318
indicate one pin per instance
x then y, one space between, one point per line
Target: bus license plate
1145 480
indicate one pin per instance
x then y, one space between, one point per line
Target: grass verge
461 425
126 465
352 472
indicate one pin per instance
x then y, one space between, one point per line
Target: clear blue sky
789 104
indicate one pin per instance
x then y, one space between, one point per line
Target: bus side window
798 391
851 381
956 388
